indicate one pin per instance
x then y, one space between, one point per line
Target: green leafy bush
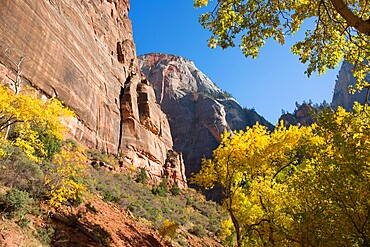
18 171
110 197
45 234
161 189
141 176
175 190
15 202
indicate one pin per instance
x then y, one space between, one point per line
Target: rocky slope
91 224
82 52
198 111
341 97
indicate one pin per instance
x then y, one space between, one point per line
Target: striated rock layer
198 111
82 52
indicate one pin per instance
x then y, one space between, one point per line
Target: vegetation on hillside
43 176
307 186
217 96
295 186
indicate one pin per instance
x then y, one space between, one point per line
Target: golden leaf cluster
296 186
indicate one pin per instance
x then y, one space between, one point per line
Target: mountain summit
198 111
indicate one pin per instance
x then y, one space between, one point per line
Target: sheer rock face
341 96
198 111
82 52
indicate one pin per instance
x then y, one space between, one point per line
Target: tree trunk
237 228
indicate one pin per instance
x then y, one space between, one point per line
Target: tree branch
363 26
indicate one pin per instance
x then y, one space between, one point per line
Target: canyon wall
83 53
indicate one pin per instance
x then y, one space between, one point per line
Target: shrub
161 189
198 231
15 202
65 180
17 170
45 234
72 143
141 176
168 229
175 190
102 156
109 197
51 143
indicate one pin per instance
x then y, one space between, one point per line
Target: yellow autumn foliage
27 121
34 125
306 186
66 184
168 229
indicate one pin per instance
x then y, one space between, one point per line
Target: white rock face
175 76
198 111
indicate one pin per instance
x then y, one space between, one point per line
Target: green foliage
141 176
45 235
175 190
15 202
109 197
332 34
161 189
71 143
216 96
102 156
51 143
18 171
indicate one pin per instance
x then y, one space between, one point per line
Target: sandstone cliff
82 52
341 96
198 111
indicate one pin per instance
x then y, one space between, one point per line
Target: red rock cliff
82 52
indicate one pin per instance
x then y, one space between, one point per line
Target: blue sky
270 83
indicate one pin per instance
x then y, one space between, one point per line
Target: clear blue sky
270 83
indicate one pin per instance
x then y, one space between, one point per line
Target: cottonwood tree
38 131
307 186
333 182
335 30
36 124
251 167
